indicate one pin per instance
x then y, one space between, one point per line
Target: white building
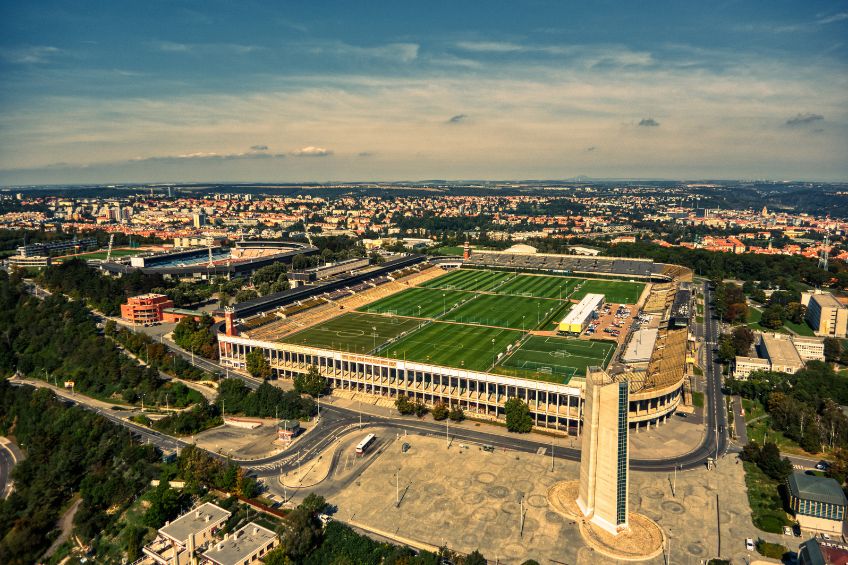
744 366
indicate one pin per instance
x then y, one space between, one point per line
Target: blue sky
321 91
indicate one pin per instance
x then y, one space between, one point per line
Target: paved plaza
471 499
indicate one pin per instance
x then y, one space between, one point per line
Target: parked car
749 545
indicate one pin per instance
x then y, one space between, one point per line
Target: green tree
832 349
457 414
518 417
311 382
474 558
742 339
773 317
257 365
440 411
404 405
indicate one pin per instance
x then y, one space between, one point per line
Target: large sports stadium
476 331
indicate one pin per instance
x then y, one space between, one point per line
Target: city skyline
242 92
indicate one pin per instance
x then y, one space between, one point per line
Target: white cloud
841 16
311 151
400 52
28 55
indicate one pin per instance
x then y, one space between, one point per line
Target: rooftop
827 300
781 351
640 346
586 306
240 545
818 489
196 520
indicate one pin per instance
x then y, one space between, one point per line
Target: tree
440 411
742 339
832 349
420 408
475 558
518 417
257 365
773 317
311 382
457 414
404 405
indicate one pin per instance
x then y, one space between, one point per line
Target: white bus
363 445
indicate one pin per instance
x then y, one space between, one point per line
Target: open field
542 286
469 279
617 292
555 359
516 312
420 302
453 345
354 332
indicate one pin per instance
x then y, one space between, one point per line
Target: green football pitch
616 292
354 332
453 345
516 312
420 302
555 359
469 279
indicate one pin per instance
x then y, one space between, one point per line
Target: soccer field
616 292
516 312
102 254
354 332
555 359
541 286
420 302
453 345
469 279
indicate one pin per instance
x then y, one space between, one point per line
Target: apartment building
826 315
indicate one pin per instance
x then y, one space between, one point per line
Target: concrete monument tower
602 495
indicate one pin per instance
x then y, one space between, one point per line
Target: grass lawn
766 505
515 312
469 279
420 302
354 332
554 359
753 409
761 430
698 399
800 329
616 292
452 345
540 286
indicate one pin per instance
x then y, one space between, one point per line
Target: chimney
197 513
208 518
466 251
229 313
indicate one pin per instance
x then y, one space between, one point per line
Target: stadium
242 259
476 335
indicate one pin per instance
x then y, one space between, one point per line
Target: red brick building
146 308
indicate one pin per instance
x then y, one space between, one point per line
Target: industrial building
245 546
817 502
780 352
240 260
604 460
743 366
578 318
321 272
826 315
177 542
145 309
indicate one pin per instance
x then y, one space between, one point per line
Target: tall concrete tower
605 457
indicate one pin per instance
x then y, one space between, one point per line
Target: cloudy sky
318 91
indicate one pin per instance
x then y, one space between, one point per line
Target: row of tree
68 450
57 340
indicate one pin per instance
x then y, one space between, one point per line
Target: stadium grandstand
472 337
